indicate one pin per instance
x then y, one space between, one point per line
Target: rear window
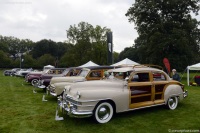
158 76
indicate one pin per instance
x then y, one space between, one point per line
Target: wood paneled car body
57 84
142 87
57 72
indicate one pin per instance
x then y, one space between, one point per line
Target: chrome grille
68 99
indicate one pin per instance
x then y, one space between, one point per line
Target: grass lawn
22 111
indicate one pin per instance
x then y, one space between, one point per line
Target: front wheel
103 112
34 82
172 103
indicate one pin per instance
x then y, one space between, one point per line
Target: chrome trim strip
53 94
176 94
84 105
41 86
73 113
185 94
84 101
146 107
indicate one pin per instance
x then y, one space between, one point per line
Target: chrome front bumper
53 94
71 111
185 94
51 90
41 86
74 113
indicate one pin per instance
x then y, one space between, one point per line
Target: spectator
175 75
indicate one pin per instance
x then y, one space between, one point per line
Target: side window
135 78
119 75
61 71
158 76
52 72
95 74
71 73
140 77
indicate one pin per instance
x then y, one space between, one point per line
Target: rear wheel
103 112
172 102
34 82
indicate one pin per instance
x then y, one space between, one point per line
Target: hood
96 85
49 76
66 79
40 72
62 84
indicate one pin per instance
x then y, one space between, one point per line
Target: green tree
89 43
46 59
26 45
14 46
99 44
166 29
130 53
3 44
44 47
116 57
29 62
5 61
68 60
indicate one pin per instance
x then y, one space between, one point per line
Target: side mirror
126 79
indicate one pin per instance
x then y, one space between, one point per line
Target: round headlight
52 85
78 94
67 88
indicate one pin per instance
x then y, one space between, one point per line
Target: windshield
83 73
119 75
65 71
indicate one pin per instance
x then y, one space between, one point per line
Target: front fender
59 87
173 90
119 96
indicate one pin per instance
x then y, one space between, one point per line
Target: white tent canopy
192 67
48 67
90 63
125 62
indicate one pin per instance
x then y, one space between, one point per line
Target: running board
146 107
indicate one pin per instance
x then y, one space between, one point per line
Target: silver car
139 87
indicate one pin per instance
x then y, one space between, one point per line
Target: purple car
34 77
46 78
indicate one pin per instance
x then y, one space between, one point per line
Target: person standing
175 75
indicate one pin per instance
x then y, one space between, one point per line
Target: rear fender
173 90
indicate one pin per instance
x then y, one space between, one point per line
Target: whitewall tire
172 102
34 82
103 112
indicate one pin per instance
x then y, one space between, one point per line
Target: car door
141 90
160 82
94 75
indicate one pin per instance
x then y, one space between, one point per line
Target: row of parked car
17 72
102 91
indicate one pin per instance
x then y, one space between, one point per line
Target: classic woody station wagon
57 84
140 87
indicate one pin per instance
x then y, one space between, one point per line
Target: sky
49 19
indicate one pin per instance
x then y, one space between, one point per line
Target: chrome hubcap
34 82
172 102
103 112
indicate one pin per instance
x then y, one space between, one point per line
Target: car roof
141 68
100 67
122 69
58 68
